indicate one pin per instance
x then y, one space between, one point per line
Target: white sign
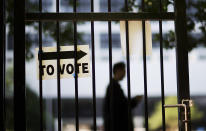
67 67
136 37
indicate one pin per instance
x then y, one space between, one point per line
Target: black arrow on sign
62 55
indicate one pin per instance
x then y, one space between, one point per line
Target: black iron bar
110 69
19 66
99 16
162 68
2 65
93 70
58 70
40 71
183 86
76 71
145 70
128 70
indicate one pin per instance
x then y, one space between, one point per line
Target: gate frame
183 87
3 64
19 66
19 50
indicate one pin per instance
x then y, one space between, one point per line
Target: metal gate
20 17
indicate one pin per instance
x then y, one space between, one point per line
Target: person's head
119 71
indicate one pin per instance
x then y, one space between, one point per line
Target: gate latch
185 104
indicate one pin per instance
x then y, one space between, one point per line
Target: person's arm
135 101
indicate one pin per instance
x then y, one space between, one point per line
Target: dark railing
20 16
3 64
40 67
19 67
162 70
183 88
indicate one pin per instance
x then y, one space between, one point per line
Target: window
32 5
83 6
10 40
105 41
116 5
46 5
65 6
86 40
32 39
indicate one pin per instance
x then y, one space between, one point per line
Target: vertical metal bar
110 42
183 88
58 71
19 66
40 70
128 70
110 69
76 72
162 69
145 70
2 65
93 70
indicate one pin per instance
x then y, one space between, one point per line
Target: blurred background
196 26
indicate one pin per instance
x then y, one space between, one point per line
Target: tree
194 17
32 106
171 115
196 20
49 28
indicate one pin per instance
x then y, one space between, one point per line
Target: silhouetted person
115 109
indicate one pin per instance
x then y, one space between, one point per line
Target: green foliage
9 81
171 115
194 18
198 16
32 106
154 5
49 28
168 41
32 112
150 5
